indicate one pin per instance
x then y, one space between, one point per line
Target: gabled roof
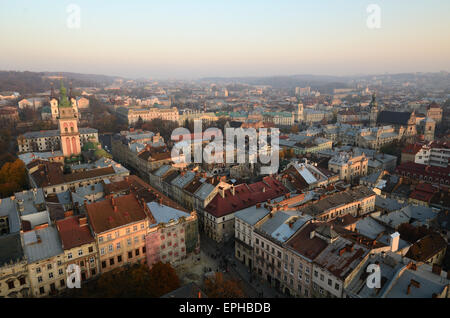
115 212
245 195
74 232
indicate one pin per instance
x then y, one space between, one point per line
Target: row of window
119 257
80 252
117 233
119 245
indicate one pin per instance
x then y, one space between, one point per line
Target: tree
219 287
13 178
162 279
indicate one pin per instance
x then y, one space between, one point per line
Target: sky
161 39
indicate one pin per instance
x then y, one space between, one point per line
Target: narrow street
233 268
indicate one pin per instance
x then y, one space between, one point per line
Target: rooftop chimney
436 269
82 221
394 240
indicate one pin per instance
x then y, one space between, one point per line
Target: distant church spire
70 91
52 91
373 110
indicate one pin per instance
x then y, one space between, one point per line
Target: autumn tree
162 279
13 178
219 287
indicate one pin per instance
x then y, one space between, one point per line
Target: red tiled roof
302 243
421 196
245 196
115 212
72 233
412 148
438 174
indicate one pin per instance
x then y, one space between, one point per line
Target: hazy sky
189 39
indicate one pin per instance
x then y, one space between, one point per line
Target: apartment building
45 256
349 166
173 237
357 201
49 140
219 213
271 262
119 227
79 246
14 279
132 115
51 178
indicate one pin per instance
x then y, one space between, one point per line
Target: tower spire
52 91
64 102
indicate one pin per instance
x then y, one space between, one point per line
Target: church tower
68 126
373 111
299 115
430 126
54 105
74 103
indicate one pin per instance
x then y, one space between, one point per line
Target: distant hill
322 82
34 82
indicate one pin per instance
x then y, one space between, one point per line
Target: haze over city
193 39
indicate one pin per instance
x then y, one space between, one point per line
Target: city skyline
224 39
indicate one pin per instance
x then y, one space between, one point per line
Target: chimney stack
82 221
394 240
436 269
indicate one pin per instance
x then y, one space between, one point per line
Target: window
38 270
111 261
130 255
60 271
118 246
316 274
129 241
110 248
136 239
39 279
119 259
11 284
91 249
135 228
321 277
142 226
100 239
50 275
62 282
128 230
137 252
80 252
41 290
103 264
143 250
336 286
49 266
59 263
22 281
109 237
330 283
